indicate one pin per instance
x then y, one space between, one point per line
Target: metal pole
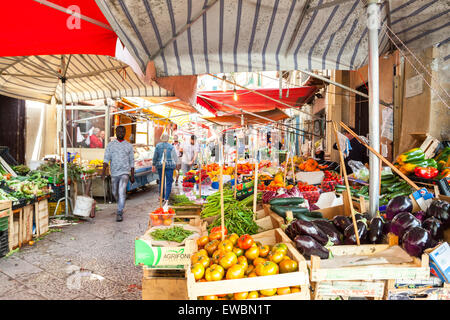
64 158
373 20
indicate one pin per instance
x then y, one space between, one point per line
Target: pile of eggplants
420 230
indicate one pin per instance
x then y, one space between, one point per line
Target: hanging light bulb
235 96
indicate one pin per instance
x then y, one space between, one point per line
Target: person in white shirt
190 152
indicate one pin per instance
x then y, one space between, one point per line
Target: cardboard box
440 261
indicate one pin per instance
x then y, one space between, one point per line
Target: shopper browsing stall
190 152
165 155
177 147
121 155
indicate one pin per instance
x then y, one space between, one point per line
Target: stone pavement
88 261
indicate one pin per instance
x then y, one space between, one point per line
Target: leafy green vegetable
177 234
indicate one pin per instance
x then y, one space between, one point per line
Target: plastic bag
359 170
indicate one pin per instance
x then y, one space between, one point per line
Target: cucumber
279 211
284 209
385 177
286 201
388 181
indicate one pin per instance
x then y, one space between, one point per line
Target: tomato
217 255
236 272
252 274
167 222
268 292
198 270
212 246
280 246
200 257
295 289
264 251
267 268
252 253
238 251
219 229
258 261
253 295
215 236
226 245
202 252
283 290
240 295
228 259
202 241
276 256
250 269
212 297
243 261
157 222
214 273
233 238
286 258
171 211
288 265
205 261
245 242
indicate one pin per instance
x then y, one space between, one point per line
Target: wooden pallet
41 217
417 269
299 278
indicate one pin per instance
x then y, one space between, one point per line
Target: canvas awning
186 37
253 102
235 120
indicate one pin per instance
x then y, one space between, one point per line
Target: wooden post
200 180
235 173
255 189
411 183
285 168
349 196
293 169
222 213
162 180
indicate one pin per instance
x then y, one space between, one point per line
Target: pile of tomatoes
303 186
240 257
332 176
160 217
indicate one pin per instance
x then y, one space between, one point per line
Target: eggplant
420 215
307 228
402 222
397 205
290 232
387 227
349 232
416 240
307 246
440 210
358 216
341 222
376 230
435 227
330 230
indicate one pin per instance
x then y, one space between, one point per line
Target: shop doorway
13 129
362 112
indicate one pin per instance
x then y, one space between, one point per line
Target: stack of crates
4 244
57 193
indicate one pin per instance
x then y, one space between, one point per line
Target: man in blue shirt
121 155
166 151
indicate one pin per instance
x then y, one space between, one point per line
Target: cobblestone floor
93 260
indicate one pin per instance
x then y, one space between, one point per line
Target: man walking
177 147
121 155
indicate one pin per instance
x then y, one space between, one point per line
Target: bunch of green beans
177 234
212 206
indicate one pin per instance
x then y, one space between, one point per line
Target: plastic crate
4 223
57 193
4 244
52 206
443 184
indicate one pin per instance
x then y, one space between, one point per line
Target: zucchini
304 217
286 201
364 190
284 209
387 176
404 192
313 214
279 211
388 181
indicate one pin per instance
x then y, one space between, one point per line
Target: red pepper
426 172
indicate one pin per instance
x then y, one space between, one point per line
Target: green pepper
411 155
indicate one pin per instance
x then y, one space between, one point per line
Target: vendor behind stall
356 151
190 151
121 155
170 158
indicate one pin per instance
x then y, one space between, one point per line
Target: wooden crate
299 278
26 225
14 227
358 288
269 222
393 293
418 269
182 211
41 217
164 284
